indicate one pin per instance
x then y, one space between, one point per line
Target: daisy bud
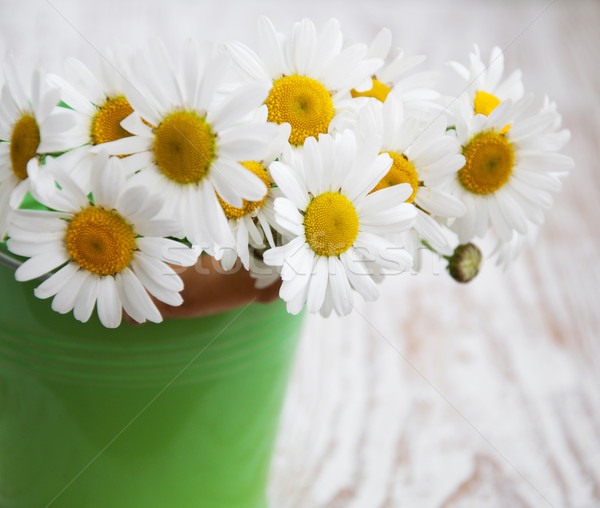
463 265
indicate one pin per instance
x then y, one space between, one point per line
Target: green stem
428 246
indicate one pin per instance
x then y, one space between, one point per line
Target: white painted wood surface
439 395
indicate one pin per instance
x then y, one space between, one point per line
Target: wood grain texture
439 395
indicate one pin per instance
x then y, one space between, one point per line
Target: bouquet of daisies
325 165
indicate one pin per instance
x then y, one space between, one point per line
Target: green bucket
179 414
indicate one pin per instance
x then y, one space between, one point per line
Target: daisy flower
335 225
415 90
100 106
30 125
309 74
111 253
251 224
509 173
426 158
188 139
485 86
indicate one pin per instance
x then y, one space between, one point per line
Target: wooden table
439 395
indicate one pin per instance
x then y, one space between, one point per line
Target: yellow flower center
303 103
402 171
485 103
249 206
184 147
378 91
106 124
330 224
24 141
490 158
100 241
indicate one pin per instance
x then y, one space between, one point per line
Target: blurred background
439 395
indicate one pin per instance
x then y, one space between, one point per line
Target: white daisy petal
41 264
327 307
58 122
242 181
482 217
228 257
125 146
5 133
86 300
366 172
135 299
269 47
224 188
330 43
318 285
380 47
465 226
513 214
498 221
213 76
432 231
532 211
289 184
217 226
384 199
358 276
266 227
336 74
30 247
158 279
109 177
383 252
247 60
57 281
140 104
549 162
196 227
304 45
295 305
439 203
167 250
68 294
247 142
291 287
313 166
133 163
10 110
38 221
331 174
387 221
238 106
90 82
135 125
255 235
341 291
19 192
71 96
288 216
109 303
241 243
278 255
